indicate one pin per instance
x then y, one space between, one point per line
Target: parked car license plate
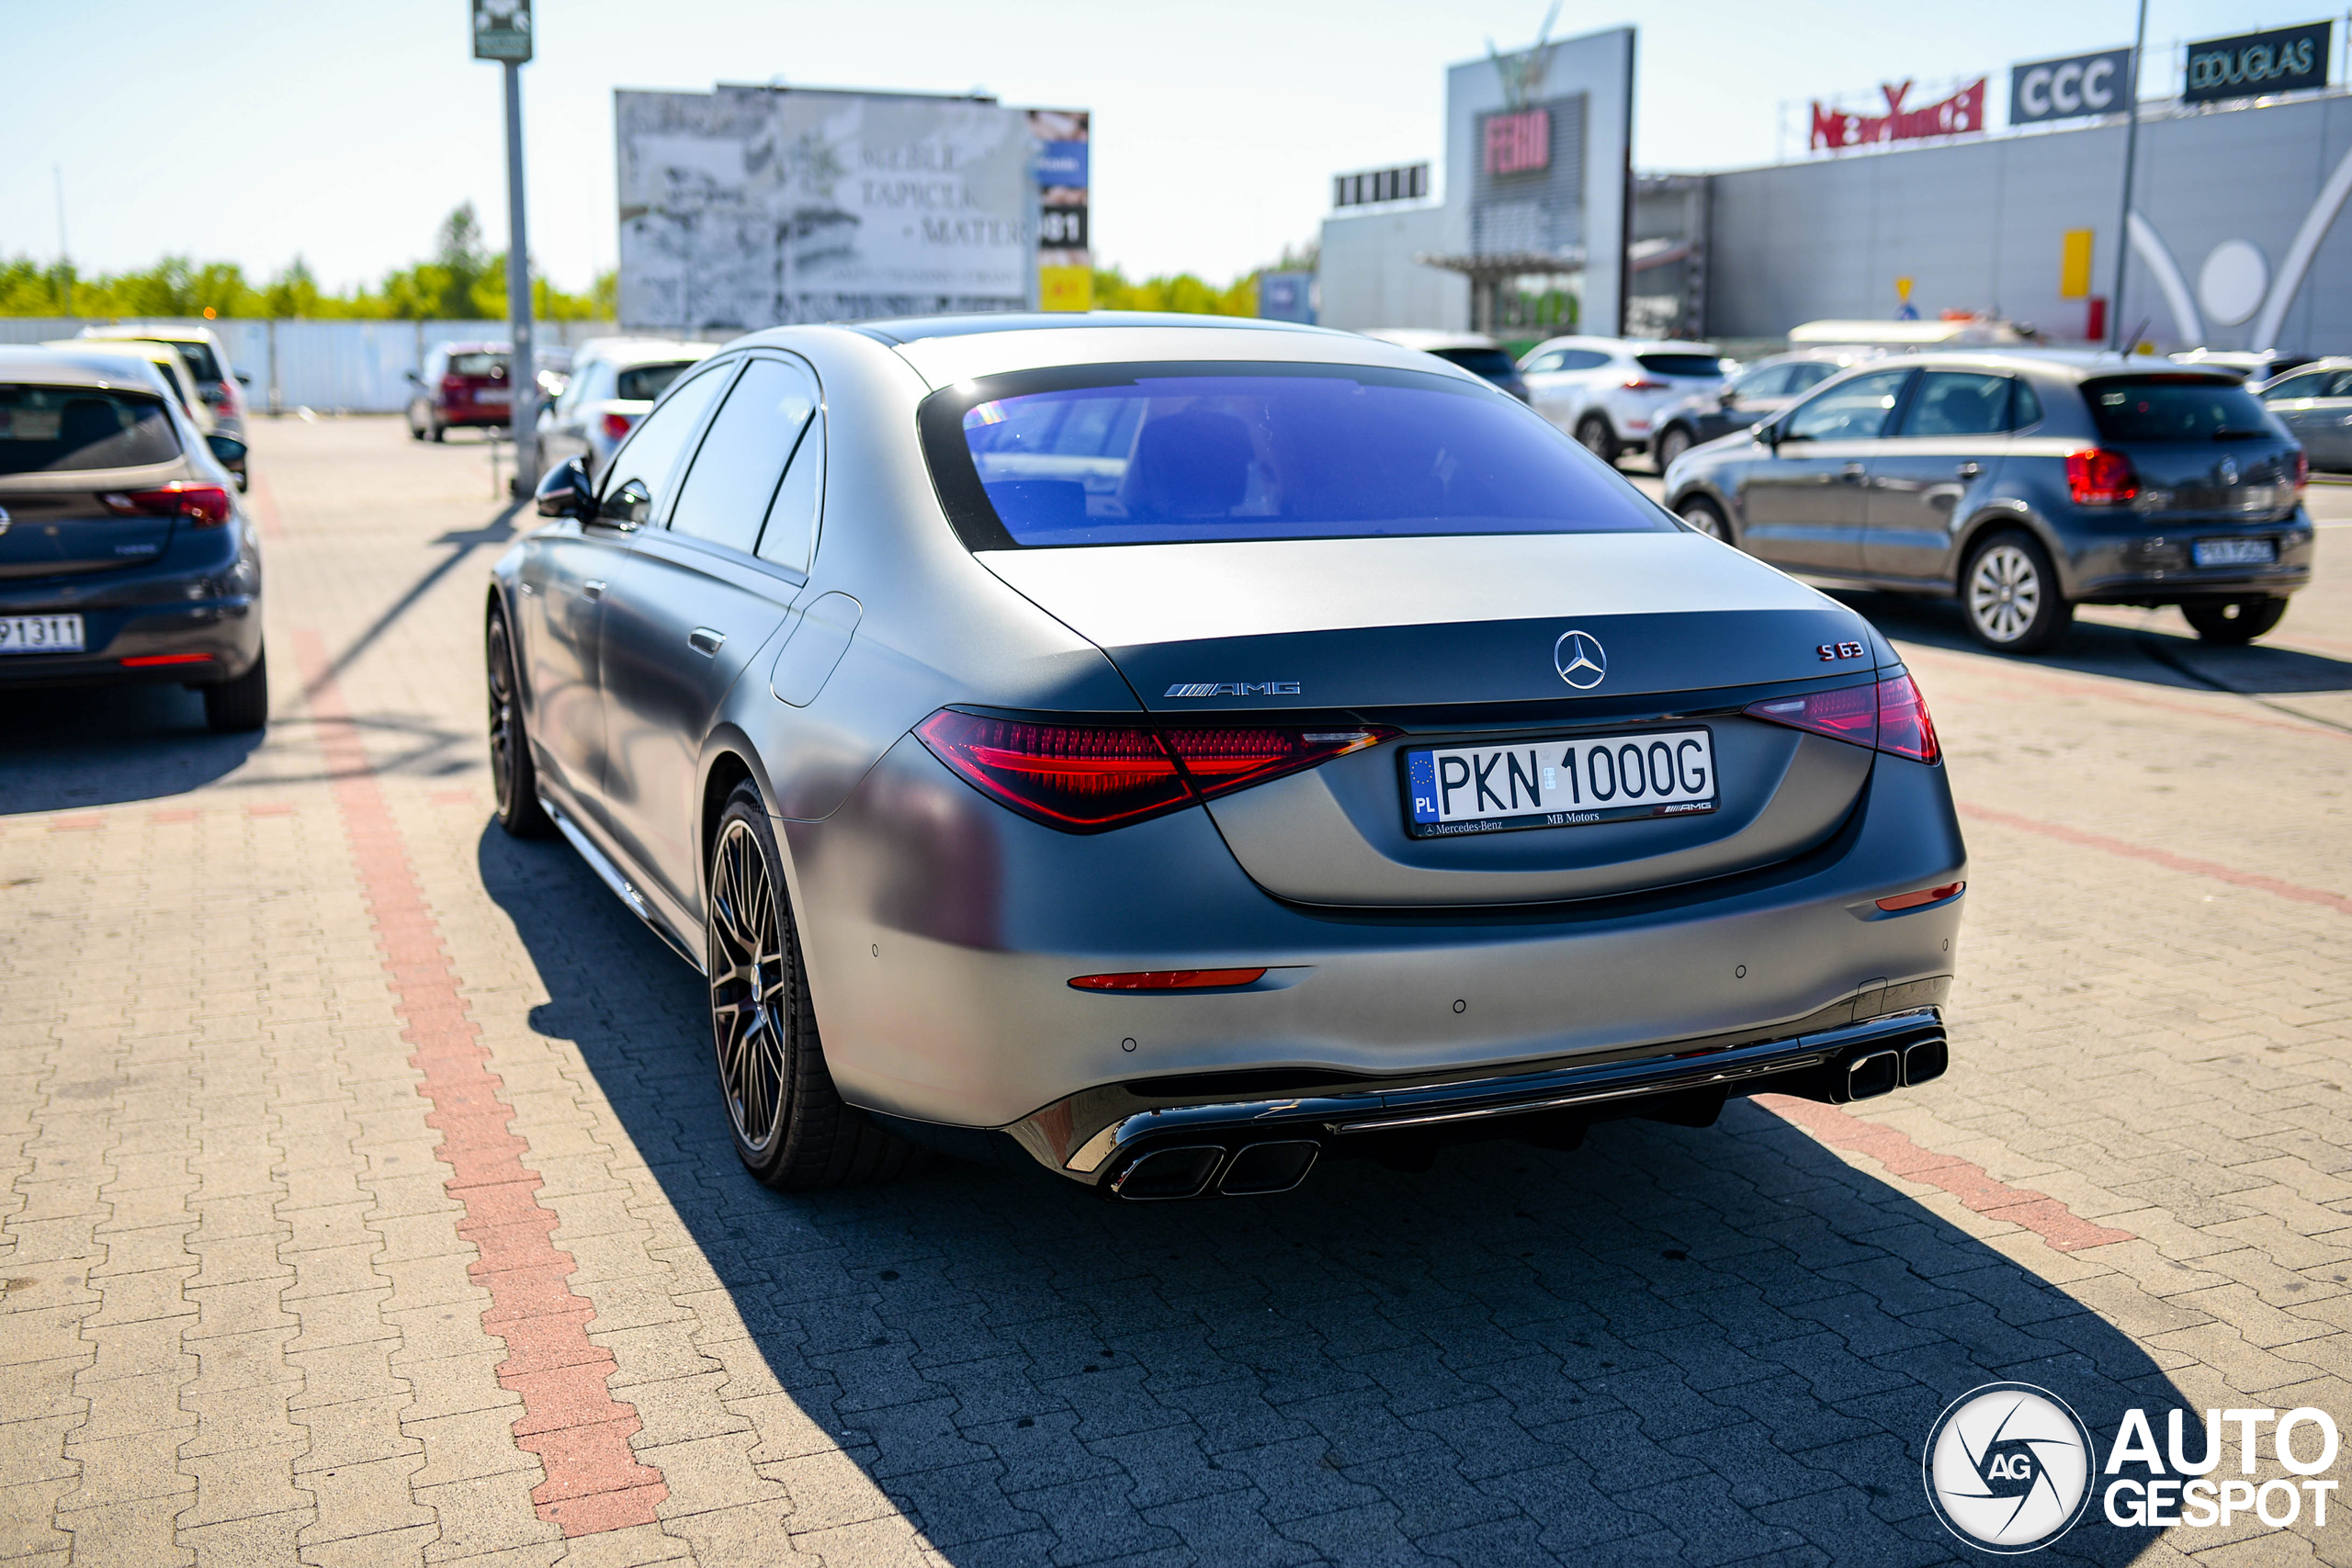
41 634
2233 552
1560 783
493 396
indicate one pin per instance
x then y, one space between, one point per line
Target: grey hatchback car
2023 484
1169 753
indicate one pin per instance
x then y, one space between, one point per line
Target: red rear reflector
1639 384
1086 777
618 426
1912 900
205 505
1169 980
2099 477
146 658
1888 715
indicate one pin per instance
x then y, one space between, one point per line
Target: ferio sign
1834 128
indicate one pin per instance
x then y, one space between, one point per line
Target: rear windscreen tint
55 429
478 364
2177 409
1680 364
643 383
1491 363
1116 455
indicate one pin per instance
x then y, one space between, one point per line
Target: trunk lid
58 530
1455 641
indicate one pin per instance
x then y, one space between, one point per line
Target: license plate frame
1420 788
2210 553
43 634
494 397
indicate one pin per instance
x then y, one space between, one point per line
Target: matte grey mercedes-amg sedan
1171 751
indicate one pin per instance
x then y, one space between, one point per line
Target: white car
613 384
1607 391
206 360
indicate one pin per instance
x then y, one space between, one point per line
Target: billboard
752 207
2065 89
1061 158
1955 115
2283 60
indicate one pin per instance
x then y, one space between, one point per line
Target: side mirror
565 492
230 453
244 379
413 377
1725 398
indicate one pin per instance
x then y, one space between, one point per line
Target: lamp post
2130 151
502 33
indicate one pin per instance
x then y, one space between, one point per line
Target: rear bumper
2151 561
1188 1149
210 605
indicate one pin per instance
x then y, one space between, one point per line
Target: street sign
502 30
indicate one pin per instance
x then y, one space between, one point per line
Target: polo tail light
204 505
1888 715
618 426
1087 777
2096 477
2302 470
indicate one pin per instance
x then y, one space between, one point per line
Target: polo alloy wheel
2010 597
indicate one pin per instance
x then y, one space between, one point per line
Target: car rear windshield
477 364
1680 364
198 357
53 429
2176 408
1120 454
1491 363
643 383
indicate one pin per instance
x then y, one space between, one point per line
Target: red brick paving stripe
77 823
569 1420
2165 858
262 501
2037 1211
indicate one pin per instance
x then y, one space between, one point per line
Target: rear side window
643 383
1113 455
2311 386
1705 365
198 358
477 364
2164 408
64 429
1764 381
727 493
1851 411
1581 359
1958 403
1487 362
1807 374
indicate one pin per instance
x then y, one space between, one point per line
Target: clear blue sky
344 131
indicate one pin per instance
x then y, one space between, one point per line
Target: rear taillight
1087 777
1169 980
618 426
206 506
454 389
1639 384
2302 470
1887 715
2096 477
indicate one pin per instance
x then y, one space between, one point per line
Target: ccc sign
2063 89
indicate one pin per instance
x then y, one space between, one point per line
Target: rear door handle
591 588
704 640
1970 470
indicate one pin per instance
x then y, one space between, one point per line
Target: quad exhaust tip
1187 1170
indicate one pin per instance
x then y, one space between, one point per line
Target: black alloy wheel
1594 434
1707 517
1670 446
792 1130
2234 622
2009 595
242 703
514 779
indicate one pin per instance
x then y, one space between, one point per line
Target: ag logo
1581 660
2008 1468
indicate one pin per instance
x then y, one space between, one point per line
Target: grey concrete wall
1370 280
1978 225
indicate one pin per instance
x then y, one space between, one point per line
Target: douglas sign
2254 63
1834 128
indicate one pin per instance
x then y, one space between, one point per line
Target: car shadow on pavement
1669 1346
88 746
2158 655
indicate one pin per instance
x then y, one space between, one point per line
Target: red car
461 384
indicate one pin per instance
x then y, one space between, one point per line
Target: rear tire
1707 517
240 704
2009 595
2232 623
513 777
1670 447
792 1130
1595 436
440 430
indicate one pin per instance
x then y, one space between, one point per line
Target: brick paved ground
366 1197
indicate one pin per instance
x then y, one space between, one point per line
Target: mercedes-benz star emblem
1580 660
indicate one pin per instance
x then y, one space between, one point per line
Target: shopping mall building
1539 219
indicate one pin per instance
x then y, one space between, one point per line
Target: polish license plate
41 634
1561 783
494 396
2235 552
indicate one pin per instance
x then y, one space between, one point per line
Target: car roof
120 330
75 367
914 329
626 351
478 347
2076 365
1628 345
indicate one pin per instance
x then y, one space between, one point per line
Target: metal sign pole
523 377
2131 152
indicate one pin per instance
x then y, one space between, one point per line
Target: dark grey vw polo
2023 484
1173 753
